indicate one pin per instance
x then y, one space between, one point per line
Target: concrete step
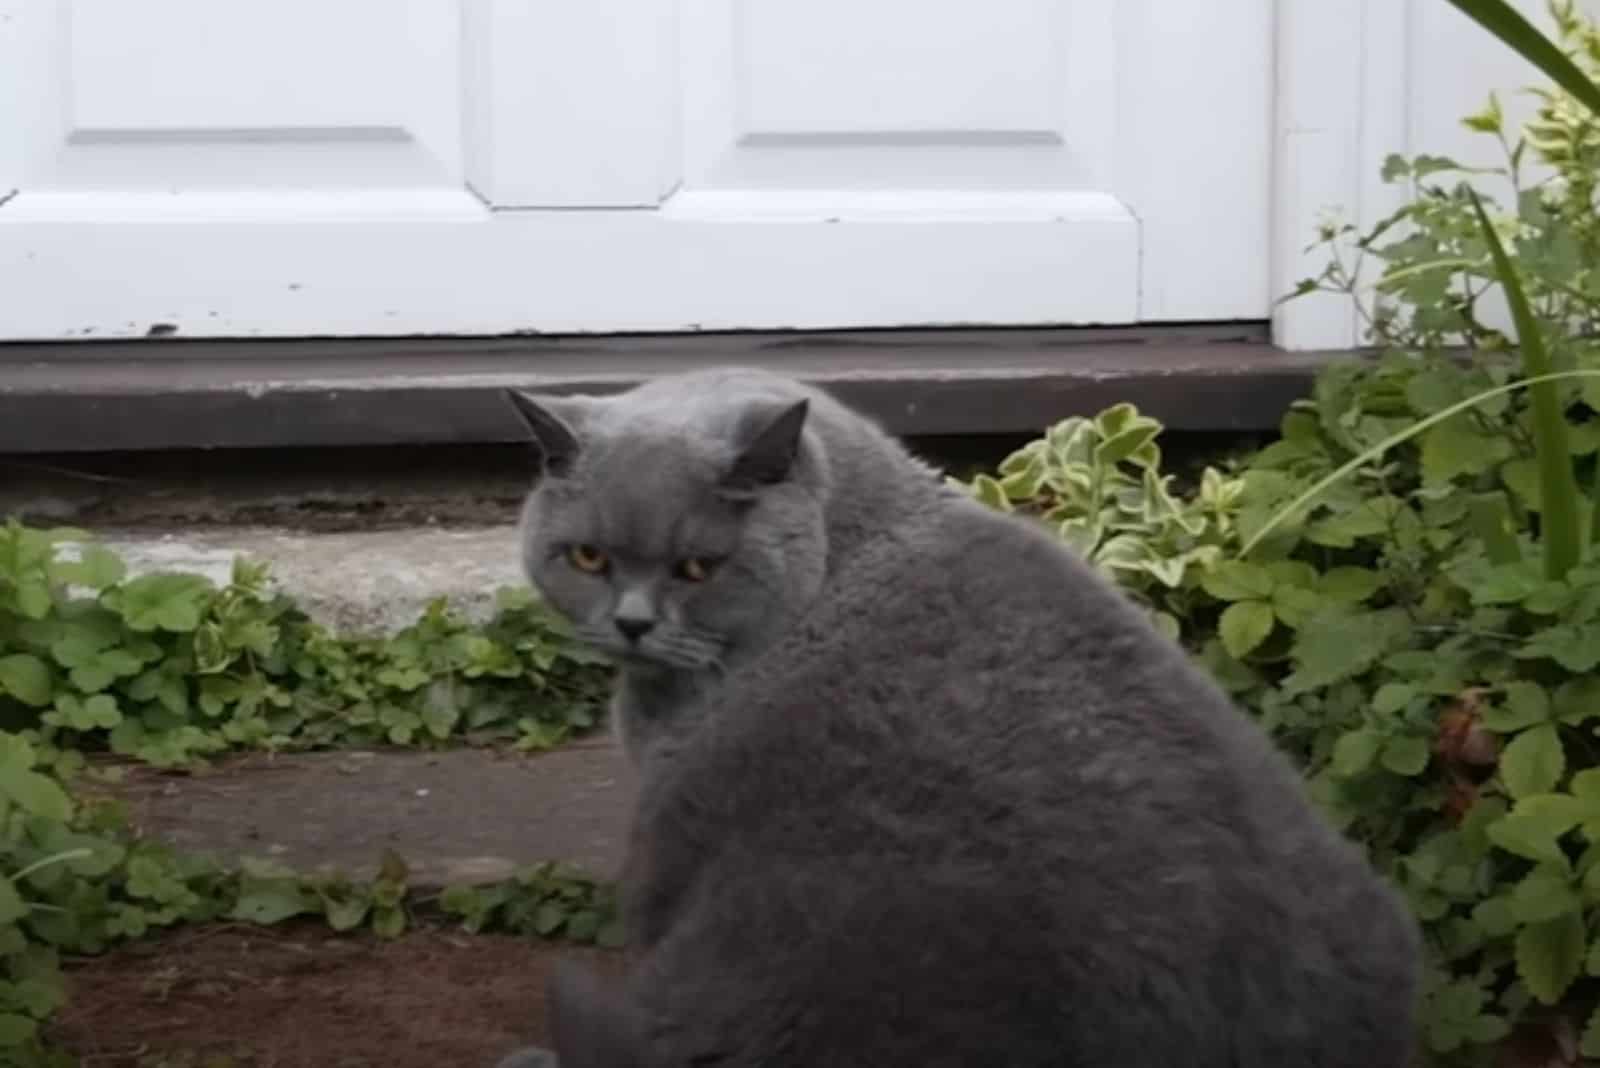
170 394
373 581
456 816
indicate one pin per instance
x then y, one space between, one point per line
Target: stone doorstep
371 582
455 816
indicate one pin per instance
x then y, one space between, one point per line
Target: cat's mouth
679 650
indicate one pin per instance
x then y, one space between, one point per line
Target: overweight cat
918 788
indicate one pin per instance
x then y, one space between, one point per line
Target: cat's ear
767 455
550 421
592 1027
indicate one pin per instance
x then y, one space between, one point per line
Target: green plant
548 900
168 668
1098 483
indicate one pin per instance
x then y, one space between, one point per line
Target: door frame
1331 131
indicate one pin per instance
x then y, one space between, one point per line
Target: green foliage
548 900
168 668
1098 484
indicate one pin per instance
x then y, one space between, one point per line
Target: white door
381 167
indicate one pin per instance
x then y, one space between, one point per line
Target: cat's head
672 526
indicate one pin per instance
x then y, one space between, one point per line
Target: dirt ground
297 996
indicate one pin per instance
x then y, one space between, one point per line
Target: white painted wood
487 166
1317 157
572 105
12 75
180 96
1194 161
563 271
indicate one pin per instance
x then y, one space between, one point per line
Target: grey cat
918 788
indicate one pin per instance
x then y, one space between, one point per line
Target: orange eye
693 570
588 559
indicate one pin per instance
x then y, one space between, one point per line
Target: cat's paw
530 1057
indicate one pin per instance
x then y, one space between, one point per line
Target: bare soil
298 996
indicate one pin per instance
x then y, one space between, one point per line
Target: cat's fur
918 787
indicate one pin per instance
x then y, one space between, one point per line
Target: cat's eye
588 559
695 569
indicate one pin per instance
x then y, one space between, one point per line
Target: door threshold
180 394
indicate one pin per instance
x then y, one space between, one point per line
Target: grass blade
1559 523
1506 23
1490 517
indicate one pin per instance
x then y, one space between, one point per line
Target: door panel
491 166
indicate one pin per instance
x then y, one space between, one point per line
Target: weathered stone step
455 816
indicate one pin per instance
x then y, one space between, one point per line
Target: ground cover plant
167 669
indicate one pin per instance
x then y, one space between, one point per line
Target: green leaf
1543 896
1337 646
389 921
1457 447
1575 647
1555 814
1350 585
1244 626
38 794
1234 580
549 917
1126 442
989 491
345 914
1533 762
1392 697
12 907
269 900
27 678
16 1030
33 598
1491 520
1550 956
1502 584
96 567
1490 120
1405 755
1355 752
441 709
1526 705
1495 916
1577 701
1589 1046
169 602
583 926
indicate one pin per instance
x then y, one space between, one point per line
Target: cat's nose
633 628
